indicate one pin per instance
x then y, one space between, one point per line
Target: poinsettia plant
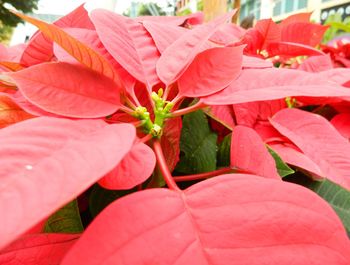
166 140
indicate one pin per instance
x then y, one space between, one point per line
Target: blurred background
12 32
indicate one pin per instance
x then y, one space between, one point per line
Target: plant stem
146 138
180 112
204 175
166 92
163 166
127 110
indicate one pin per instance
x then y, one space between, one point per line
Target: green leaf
282 168
224 151
336 196
100 198
198 145
65 220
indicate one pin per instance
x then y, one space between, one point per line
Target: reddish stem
204 175
180 112
146 138
164 167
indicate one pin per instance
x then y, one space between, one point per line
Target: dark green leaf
224 151
282 168
336 196
100 198
65 220
198 145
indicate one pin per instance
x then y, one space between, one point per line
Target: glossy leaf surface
249 153
77 49
211 71
318 140
269 84
134 169
39 249
176 58
36 156
69 90
203 225
129 43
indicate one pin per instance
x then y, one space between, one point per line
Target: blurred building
279 9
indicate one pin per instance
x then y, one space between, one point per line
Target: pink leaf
303 33
249 114
46 162
227 34
270 31
178 56
69 90
338 75
135 168
295 157
170 141
299 17
10 112
21 101
291 49
254 62
163 34
140 54
211 71
316 64
222 114
39 48
318 140
41 249
269 84
90 38
342 123
236 218
249 153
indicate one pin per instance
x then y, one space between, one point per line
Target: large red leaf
255 62
135 168
249 114
342 123
77 49
271 83
170 141
129 43
41 249
11 113
232 219
177 57
303 33
163 34
228 34
292 156
270 31
290 49
222 114
69 90
30 108
316 64
90 38
39 48
211 71
299 17
249 153
317 139
46 162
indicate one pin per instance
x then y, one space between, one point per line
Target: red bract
216 222
109 93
